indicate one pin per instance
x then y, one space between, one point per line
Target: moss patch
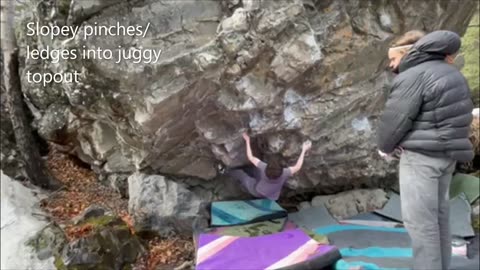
476 224
102 221
59 263
64 7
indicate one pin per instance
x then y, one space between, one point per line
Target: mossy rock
48 242
110 246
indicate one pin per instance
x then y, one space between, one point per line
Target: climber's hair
273 170
409 38
405 42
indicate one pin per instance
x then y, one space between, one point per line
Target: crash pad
461 217
460 214
253 229
468 184
371 219
387 224
379 248
368 216
392 209
292 249
228 213
313 217
265 228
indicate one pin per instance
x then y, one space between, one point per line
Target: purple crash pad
293 249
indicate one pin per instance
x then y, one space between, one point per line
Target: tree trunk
27 146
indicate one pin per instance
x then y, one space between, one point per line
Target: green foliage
470 50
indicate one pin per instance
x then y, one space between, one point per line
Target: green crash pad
468 184
265 228
252 229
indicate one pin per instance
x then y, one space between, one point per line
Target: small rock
304 205
237 22
119 182
84 9
251 4
232 42
53 121
321 200
90 212
232 3
104 139
234 70
350 203
301 53
118 162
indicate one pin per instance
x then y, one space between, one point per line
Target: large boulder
161 206
286 70
9 156
21 221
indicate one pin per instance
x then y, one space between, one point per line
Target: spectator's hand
397 152
394 155
307 145
382 154
246 137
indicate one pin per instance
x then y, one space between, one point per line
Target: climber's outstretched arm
305 147
254 160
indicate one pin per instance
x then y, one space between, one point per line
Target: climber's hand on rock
307 145
246 137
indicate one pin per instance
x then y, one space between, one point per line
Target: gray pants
248 179
424 191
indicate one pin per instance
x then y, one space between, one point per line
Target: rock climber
266 180
428 115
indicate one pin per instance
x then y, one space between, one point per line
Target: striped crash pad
460 214
292 249
376 248
229 213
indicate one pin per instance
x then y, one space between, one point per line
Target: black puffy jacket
429 109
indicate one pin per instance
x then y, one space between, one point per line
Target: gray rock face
285 70
162 206
8 150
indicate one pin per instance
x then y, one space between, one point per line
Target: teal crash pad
229 213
